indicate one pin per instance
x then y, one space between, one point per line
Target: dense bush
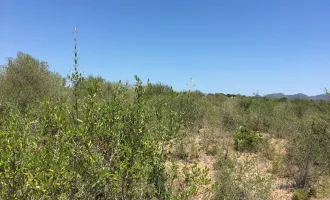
27 81
237 180
113 149
230 116
300 195
309 152
97 144
247 140
158 89
192 108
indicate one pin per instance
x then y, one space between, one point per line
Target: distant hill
298 96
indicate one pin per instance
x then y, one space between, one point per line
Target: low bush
247 140
239 180
308 154
276 165
300 194
211 150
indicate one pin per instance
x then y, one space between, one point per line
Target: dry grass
268 166
265 165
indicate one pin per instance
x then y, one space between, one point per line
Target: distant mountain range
298 96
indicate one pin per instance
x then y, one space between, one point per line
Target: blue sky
234 46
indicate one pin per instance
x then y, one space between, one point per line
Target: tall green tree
26 81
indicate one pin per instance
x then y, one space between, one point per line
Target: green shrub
283 122
93 147
308 150
312 192
228 121
277 164
27 81
247 140
191 179
191 107
266 149
211 150
230 117
258 115
300 194
237 180
244 103
158 89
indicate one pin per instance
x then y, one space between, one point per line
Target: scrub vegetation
84 137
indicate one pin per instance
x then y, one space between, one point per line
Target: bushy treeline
304 124
92 139
27 81
88 138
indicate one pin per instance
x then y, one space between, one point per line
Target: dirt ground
282 189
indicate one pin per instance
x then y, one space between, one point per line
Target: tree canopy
25 80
